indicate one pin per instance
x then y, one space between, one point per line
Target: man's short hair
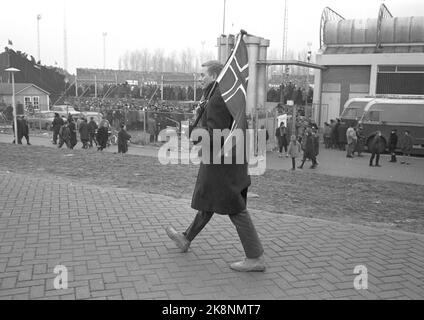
214 67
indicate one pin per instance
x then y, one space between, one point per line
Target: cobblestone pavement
304 193
113 243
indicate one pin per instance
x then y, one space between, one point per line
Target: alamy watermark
361 280
215 147
61 280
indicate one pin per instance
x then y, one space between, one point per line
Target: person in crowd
25 129
19 124
294 150
351 139
341 134
393 141
92 128
73 131
64 135
123 138
315 137
103 122
221 188
102 136
335 133
376 145
407 145
84 136
281 135
309 151
360 140
56 125
327 135
261 147
152 128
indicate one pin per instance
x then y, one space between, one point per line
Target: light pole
38 36
104 49
223 18
15 123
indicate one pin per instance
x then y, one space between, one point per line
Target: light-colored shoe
249 265
179 239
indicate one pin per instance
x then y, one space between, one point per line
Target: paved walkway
113 243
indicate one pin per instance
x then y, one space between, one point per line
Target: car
65 110
41 120
96 115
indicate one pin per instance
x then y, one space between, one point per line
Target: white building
366 58
26 95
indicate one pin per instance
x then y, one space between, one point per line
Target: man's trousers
246 230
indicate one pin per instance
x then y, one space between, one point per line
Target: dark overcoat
123 138
377 143
73 131
310 146
220 188
83 130
57 123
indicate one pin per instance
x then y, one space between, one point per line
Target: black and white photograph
211 156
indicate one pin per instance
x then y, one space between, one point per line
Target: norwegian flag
232 83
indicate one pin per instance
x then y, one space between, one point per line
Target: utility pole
65 40
223 20
38 36
104 49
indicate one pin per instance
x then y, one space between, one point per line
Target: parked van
353 110
402 114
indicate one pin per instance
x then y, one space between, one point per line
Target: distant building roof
392 35
6 88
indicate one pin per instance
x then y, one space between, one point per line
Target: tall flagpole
104 49
223 20
38 36
65 39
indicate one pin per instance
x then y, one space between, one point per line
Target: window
28 102
373 116
36 102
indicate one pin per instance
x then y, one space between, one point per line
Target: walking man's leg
250 241
377 159
183 240
372 158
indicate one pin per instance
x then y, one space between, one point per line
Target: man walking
19 128
83 130
56 124
73 132
281 135
310 151
351 141
25 129
393 140
407 145
376 146
92 127
221 188
64 135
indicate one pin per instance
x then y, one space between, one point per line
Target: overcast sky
168 24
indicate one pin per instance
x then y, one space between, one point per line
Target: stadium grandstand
136 78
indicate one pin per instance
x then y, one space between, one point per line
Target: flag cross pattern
241 76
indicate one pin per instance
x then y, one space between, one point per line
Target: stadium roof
386 34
